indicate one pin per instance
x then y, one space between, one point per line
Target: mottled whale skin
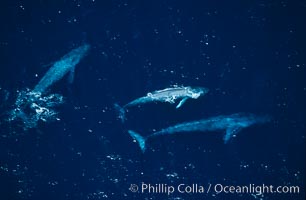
168 95
60 68
36 105
232 124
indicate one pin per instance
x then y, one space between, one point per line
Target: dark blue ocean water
250 54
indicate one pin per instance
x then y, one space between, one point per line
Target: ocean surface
249 54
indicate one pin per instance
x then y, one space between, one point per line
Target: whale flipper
181 102
140 139
230 132
71 75
121 112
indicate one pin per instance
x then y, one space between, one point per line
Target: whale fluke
140 139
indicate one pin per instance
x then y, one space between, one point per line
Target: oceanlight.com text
162 188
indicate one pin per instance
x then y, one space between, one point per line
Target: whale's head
196 92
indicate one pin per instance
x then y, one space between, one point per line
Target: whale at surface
60 68
169 95
232 124
36 105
